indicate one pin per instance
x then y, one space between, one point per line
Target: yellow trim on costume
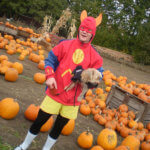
68 70
48 70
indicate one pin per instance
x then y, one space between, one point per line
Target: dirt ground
26 91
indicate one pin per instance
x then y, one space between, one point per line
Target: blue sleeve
101 70
51 60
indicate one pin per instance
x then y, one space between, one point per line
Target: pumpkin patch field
22 90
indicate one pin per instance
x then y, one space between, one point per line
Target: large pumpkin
85 139
31 112
107 139
68 128
132 142
39 78
9 108
47 126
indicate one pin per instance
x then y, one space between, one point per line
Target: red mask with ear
88 25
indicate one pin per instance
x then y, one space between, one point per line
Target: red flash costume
65 57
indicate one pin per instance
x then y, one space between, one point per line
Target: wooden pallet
118 96
6 30
23 34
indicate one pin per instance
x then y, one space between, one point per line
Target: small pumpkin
3 57
18 66
69 127
140 125
124 131
89 93
123 108
11 74
148 126
85 109
39 78
107 139
96 147
47 126
99 91
36 58
147 137
101 120
122 147
31 112
85 139
145 145
41 65
9 108
133 124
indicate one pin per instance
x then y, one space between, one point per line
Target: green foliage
142 45
4 146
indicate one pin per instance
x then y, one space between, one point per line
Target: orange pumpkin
31 112
11 74
3 69
99 91
123 108
134 145
147 137
7 63
101 120
85 139
148 126
41 65
89 93
36 58
136 91
96 147
85 109
39 78
145 145
107 139
142 96
3 57
47 126
18 66
121 147
69 127
9 108
140 125
133 124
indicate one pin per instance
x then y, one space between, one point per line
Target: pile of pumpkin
11 70
24 48
28 30
122 120
17 46
106 139
142 91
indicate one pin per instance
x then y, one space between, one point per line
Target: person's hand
77 74
51 83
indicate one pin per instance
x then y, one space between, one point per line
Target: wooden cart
118 96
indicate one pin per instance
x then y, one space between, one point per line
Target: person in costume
64 65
